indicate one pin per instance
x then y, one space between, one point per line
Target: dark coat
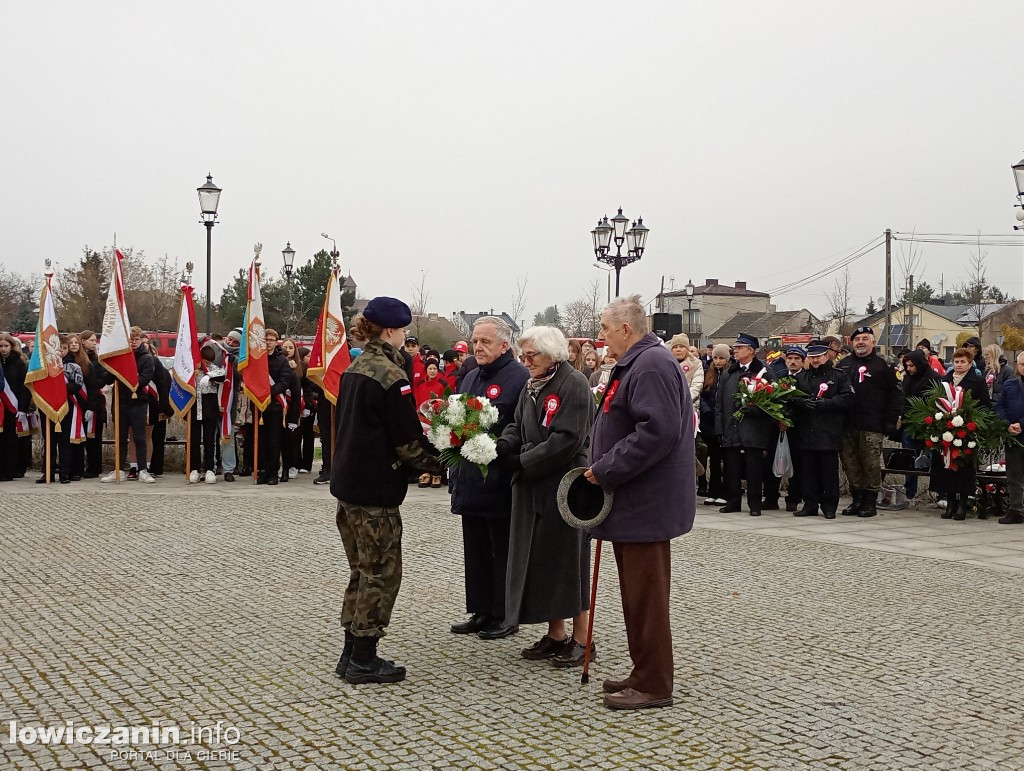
925 378
472 493
820 421
548 453
879 398
162 381
94 382
15 369
974 384
548 561
643 447
755 429
1010 408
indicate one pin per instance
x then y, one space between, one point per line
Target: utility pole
661 297
910 323
888 290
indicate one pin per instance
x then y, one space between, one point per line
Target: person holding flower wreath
484 503
959 480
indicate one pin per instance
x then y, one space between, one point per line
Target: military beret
387 312
863 331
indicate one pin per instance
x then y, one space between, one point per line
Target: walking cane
585 677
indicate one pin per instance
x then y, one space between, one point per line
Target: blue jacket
1010 406
501 381
643 447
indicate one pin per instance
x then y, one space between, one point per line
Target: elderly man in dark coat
746 439
485 503
548 561
643 451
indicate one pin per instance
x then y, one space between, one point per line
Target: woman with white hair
548 561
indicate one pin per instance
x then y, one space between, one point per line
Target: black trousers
794 493
245 435
290 449
485 551
306 442
323 417
158 452
270 440
25 449
740 463
134 416
10 453
94 449
819 484
59 448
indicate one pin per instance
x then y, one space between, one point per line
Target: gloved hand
502 447
509 463
809 404
292 426
306 413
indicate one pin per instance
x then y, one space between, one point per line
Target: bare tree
839 301
974 292
420 299
582 317
519 302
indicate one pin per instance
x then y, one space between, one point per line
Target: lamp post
635 239
1018 176
688 291
209 197
334 251
607 270
289 265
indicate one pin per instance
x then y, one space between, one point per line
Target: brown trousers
645 575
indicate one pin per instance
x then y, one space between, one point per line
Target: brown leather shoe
631 699
614 686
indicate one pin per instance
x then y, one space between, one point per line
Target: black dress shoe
769 505
755 513
792 506
284 477
42 480
262 479
272 481
828 514
730 508
572 654
229 477
545 648
496 630
806 511
475 623
65 481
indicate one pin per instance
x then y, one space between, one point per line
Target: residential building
712 304
764 325
936 322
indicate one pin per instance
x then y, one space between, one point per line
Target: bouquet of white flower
459 429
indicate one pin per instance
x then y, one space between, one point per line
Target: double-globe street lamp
209 197
635 238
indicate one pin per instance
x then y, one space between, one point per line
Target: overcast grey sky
481 141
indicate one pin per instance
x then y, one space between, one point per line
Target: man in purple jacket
642 449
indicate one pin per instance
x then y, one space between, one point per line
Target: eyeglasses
530 355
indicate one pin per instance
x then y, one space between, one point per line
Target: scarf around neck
535 384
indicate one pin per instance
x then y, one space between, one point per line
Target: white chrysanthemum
440 436
938 416
947 437
480 449
455 414
935 439
488 416
972 445
958 442
958 421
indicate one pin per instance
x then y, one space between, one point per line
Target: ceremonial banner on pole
252 353
115 347
45 376
186 356
330 357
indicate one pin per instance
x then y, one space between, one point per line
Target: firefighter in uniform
377 432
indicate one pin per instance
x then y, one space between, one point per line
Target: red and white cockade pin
550 408
493 391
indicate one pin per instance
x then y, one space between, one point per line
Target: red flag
115 347
252 353
45 376
330 357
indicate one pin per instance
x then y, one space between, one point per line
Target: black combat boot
868 503
366 666
854 508
950 506
960 513
346 654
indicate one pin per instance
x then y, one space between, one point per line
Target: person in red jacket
432 386
933 361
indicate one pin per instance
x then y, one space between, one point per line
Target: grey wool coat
548 561
643 447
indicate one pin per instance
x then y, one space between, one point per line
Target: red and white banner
115 347
252 353
330 357
45 376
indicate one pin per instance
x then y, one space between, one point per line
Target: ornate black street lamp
209 198
635 239
289 265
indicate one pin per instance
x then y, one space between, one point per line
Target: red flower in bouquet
972 426
929 420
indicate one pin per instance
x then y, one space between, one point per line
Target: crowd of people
656 423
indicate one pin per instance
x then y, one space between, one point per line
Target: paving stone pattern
202 604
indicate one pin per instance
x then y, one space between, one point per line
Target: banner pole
117 433
255 442
331 440
49 450
188 442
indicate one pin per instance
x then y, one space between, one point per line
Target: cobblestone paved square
797 644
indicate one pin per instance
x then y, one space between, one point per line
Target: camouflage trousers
862 460
372 536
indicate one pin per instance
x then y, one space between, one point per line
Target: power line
827 271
